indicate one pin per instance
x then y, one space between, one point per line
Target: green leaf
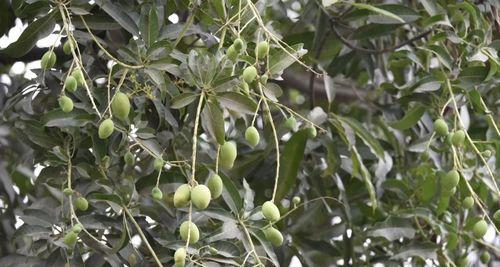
230 194
183 100
442 55
280 60
150 27
392 229
213 121
237 102
292 156
424 251
35 31
360 168
119 15
473 75
407 14
411 118
380 11
58 118
365 135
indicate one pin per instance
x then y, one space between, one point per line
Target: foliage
329 103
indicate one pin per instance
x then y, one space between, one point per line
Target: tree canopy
250 133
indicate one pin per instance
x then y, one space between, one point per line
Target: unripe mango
468 202
232 53
156 193
70 239
486 154
182 196
120 106
463 262
311 131
68 191
485 257
78 75
270 211
479 229
67 47
213 251
106 128
440 127
81 203
252 136
451 241
290 123
158 163
129 158
274 236
227 155
180 256
249 74
450 180
70 84
48 60
77 228
200 196
215 185
496 216
192 229
238 44
458 138
66 104
245 87
262 49
296 200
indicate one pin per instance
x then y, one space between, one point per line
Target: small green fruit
200 196
496 216
450 180
156 193
252 136
440 127
67 47
70 239
182 196
479 229
296 200
68 191
105 161
270 211
77 228
290 123
463 262
468 202
81 203
451 241
238 44
192 229
180 256
245 87
311 131
227 155
158 163
262 49
263 79
232 53
215 185
70 84
120 106
458 138
129 158
48 60
274 236
485 257
106 128
66 104
249 74
78 75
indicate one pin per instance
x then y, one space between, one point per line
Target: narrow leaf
411 117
